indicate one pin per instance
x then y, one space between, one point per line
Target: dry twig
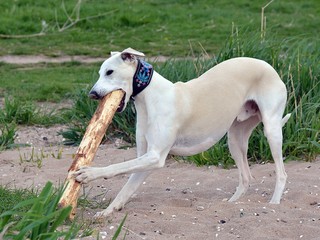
70 22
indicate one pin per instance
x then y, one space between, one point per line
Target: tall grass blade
117 233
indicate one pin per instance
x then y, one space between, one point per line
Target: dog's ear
131 54
113 53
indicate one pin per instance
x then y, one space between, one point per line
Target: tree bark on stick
88 146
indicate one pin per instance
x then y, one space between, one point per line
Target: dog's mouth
122 103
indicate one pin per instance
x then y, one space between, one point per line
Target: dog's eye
109 72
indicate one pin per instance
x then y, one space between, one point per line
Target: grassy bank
184 27
295 59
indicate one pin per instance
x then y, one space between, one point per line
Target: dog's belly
192 146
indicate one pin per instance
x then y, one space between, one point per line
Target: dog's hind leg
238 137
273 132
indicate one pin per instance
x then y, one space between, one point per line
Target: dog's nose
94 95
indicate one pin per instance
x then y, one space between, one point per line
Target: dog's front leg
149 161
141 167
134 182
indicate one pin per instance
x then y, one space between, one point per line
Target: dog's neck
157 94
141 78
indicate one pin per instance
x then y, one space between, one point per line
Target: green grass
36 217
26 214
7 135
123 125
45 82
296 61
11 197
182 28
156 27
16 111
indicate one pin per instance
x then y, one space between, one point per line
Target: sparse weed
57 154
95 202
34 158
7 135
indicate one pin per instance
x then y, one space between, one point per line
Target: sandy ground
179 201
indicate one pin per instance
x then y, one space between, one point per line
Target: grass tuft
41 220
122 126
21 112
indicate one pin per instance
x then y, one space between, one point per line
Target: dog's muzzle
94 95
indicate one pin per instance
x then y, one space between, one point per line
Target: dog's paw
85 174
102 216
274 201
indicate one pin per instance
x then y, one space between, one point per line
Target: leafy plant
41 221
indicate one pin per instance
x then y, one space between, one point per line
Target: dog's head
117 73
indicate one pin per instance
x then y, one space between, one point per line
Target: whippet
187 118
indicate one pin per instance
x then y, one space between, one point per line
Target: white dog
188 118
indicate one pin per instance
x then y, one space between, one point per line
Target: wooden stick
89 145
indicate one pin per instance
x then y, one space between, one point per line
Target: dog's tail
285 119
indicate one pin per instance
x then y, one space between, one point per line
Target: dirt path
179 201
26 59
35 59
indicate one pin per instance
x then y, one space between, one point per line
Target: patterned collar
141 78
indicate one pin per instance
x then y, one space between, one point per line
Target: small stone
241 212
186 190
200 208
222 221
